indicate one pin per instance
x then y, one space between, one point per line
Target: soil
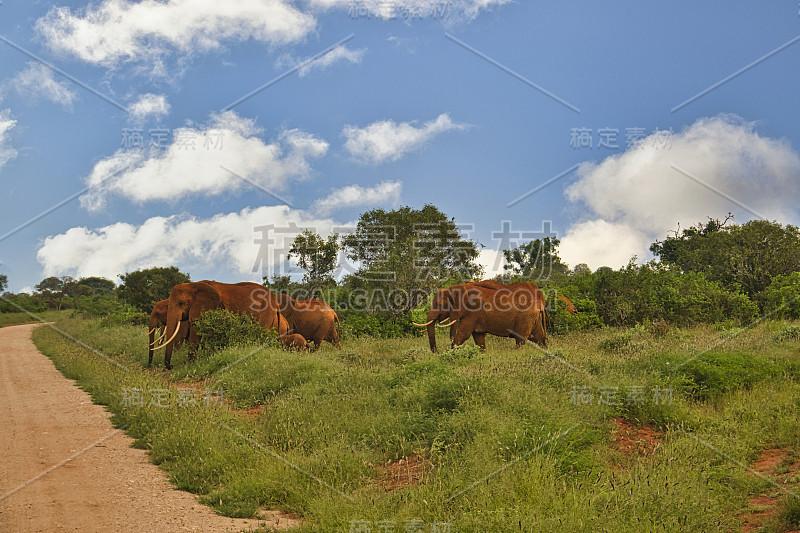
403 473
763 507
635 440
65 468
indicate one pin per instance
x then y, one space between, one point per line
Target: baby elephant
295 341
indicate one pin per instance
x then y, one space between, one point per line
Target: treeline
715 271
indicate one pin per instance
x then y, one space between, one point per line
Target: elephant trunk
151 340
174 316
431 320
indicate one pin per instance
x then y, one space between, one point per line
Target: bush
789 333
781 299
220 329
363 324
643 294
715 374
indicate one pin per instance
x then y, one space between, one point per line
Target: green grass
295 426
7 319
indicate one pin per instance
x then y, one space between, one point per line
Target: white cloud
602 243
192 164
37 82
389 141
149 105
340 53
387 192
225 239
492 262
638 196
450 10
7 153
116 31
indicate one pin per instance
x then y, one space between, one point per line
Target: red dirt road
63 466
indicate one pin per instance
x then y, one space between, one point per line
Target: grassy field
610 431
7 319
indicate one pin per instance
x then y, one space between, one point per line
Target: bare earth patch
634 440
65 468
778 464
403 473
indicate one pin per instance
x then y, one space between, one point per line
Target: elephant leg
480 340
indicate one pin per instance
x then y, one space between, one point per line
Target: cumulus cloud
148 105
112 32
229 239
713 166
340 53
492 262
387 192
7 153
37 82
601 243
224 156
451 10
389 141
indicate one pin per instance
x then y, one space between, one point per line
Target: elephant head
186 302
450 305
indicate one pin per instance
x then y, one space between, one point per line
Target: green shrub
363 324
789 333
781 299
220 328
714 374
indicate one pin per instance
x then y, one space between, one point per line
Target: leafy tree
97 285
536 260
3 282
781 298
317 257
54 290
742 257
407 252
143 288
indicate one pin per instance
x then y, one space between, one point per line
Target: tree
3 282
54 290
745 257
536 260
407 252
143 288
97 285
317 257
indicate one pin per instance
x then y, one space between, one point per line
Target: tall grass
307 433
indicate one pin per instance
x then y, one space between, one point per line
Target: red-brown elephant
313 319
188 300
571 309
515 310
293 341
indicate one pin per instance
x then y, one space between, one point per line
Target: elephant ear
205 298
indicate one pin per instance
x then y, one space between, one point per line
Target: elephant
539 332
313 319
188 300
507 310
293 341
158 319
571 309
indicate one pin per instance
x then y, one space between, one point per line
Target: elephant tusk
177 328
446 325
158 339
152 330
425 324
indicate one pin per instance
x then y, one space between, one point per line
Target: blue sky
470 105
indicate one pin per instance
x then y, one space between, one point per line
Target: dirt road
63 467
